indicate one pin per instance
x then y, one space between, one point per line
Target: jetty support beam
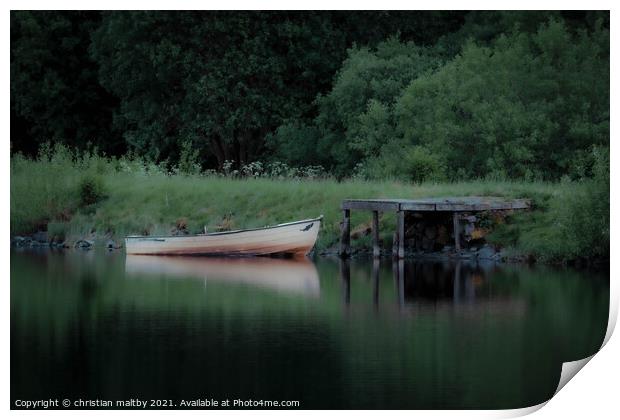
345 234
376 251
457 231
400 233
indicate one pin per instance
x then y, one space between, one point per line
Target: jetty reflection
291 276
429 286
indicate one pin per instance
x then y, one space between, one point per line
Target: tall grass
144 198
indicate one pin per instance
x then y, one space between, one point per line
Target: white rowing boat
294 238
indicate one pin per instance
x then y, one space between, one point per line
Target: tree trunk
243 152
218 152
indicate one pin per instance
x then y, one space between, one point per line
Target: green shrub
585 217
296 143
407 163
188 160
419 164
91 190
573 224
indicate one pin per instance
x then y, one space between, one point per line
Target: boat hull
296 238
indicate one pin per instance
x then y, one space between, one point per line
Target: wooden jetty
457 206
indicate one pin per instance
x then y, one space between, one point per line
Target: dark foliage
55 91
91 190
378 94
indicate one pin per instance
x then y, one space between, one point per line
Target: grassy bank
80 196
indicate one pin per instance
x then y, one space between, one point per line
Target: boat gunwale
228 232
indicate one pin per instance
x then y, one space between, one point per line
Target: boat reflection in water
291 276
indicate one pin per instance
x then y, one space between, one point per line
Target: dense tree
355 118
55 95
528 104
525 107
224 80
378 94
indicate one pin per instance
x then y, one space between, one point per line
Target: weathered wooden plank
503 205
455 207
370 205
345 234
376 251
436 204
413 206
478 206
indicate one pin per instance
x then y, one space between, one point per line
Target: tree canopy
530 104
55 92
374 94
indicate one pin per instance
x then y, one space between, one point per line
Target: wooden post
345 234
457 231
395 245
376 251
401 234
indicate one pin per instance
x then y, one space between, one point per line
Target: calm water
330 335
